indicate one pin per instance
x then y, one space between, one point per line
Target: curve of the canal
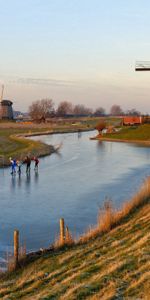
72 184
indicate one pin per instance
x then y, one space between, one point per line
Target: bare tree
80 109
100 111
88 111
41 109
133 112
64 108
116 110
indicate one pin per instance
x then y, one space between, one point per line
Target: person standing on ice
13 166
19 164
36 160
28 164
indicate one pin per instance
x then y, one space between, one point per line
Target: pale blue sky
82 51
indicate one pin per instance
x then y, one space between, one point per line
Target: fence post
16 248
62 231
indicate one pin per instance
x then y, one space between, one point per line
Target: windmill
2 92
6 111
142 66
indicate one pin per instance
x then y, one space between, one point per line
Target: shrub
100 126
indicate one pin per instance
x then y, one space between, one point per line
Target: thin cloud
42 81
54 82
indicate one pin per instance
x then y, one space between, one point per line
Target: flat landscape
75 150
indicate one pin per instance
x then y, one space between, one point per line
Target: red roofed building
133 120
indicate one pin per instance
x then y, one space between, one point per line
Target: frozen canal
72 184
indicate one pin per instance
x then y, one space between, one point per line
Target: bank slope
113 266
14 144
136 134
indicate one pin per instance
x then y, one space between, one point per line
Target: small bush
100 126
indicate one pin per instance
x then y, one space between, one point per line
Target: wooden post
62 231
16 248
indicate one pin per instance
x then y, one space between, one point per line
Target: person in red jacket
28 164
36 163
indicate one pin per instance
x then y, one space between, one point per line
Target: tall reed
109 217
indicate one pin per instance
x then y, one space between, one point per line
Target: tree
81 110
116 110
41 109
64 108
133 112
100 111
88 111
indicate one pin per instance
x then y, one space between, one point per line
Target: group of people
17 164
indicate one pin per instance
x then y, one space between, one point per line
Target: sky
82 51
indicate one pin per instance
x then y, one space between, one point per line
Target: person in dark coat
28 164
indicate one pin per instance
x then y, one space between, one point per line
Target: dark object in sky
142 66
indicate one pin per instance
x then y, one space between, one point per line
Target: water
72 184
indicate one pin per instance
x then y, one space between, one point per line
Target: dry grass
68 240
108 217
113 265
11 261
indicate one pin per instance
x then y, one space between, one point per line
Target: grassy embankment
17 147
111 262
139 134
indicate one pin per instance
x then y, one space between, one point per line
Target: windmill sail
142 66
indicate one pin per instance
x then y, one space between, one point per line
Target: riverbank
18 147
113 264
137 135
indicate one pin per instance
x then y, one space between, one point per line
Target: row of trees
42 109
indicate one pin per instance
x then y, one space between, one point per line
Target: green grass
17 147
138 133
